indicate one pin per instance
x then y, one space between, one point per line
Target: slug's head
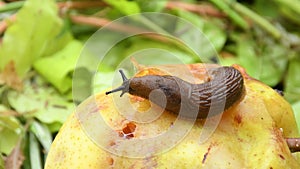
124 87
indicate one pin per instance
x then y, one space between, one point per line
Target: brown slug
224 88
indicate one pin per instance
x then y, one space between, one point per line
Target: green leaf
265 62
271 11
35 156
43 134
82 84
149 52
58 43
245 49
40 101
10 131
56 68
10 123
296 109
191 17
102 81
213 38
290 8
10 141
37 22
152 6
273 64
124 6
215 34
292 81
54 127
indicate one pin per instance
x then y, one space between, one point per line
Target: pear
250 134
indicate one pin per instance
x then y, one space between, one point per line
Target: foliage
44 38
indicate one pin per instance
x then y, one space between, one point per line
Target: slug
225 87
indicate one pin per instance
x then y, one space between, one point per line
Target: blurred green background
41 41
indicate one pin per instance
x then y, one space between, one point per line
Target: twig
202 9
81 5
100 22
294 144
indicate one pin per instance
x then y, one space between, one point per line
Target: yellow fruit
249 134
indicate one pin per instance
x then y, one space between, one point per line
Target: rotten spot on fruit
128 131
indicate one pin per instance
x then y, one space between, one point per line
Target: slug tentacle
224 88
124 87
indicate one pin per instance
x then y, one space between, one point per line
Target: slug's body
190 100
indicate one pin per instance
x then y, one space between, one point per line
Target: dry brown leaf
9 113
10 77
15 159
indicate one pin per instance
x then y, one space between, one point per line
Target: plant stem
291 4
12 6
150 24
235 17
202 9
257 19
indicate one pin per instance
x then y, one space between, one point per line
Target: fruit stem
294 144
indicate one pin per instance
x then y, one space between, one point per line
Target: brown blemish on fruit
238 119
278 138
240 140
206 154
112 143
110 161
60 156
128 130
281 156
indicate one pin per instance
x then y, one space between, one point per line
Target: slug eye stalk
124 87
